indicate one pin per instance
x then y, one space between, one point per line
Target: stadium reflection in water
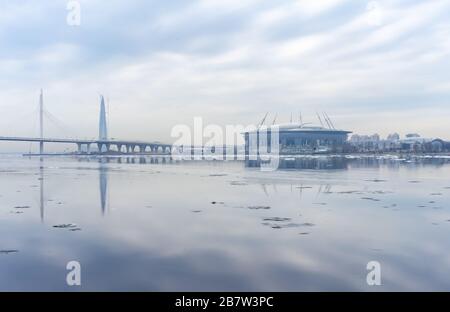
317 163
344 162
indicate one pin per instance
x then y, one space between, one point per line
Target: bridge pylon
41 122
103 128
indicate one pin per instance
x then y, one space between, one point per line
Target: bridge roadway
102 145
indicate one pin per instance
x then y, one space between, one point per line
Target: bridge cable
59 124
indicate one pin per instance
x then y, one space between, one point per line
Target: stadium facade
295 139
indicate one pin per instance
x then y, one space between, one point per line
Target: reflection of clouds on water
284 230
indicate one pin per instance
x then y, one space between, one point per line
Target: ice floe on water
376 180
238 183
69 226
371 199
22 207
65 226
259 207
8 251
277 219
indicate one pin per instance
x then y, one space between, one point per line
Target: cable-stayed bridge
102 145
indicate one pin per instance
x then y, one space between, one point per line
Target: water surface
145 224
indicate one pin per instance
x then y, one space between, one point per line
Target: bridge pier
101 145
131 148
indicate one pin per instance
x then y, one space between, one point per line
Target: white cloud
313 8
61 54
230 61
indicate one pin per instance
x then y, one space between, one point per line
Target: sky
373 66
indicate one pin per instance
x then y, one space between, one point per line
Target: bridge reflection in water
103 170
103 179
103 186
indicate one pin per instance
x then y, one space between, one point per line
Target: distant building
366 143
412 143
393 137
436 146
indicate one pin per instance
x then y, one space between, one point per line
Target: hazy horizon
373 66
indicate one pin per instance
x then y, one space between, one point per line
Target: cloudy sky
373 66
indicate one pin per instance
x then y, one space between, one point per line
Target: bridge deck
81 141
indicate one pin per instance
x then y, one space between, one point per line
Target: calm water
138 224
